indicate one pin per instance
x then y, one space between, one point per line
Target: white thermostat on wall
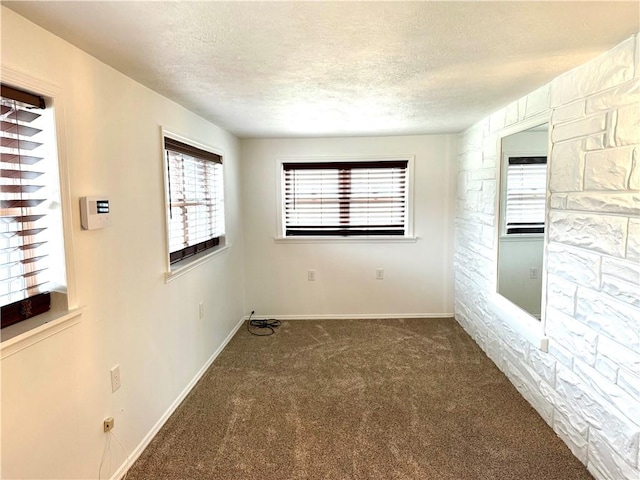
94 212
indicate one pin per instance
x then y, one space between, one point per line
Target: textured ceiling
283 69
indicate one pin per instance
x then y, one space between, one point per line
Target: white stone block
576 441
595 142
573 264
621 290
470 160
487 237
621 269
626 94
564 356
620 433
630 383
496 120
569 112
633 240
489 161
579 128
608 461
571 334
529 391
490 146
471 139
561 294
634 178
518 346
606 71
627 203
558 201
483 174
474 198
543 364
538 101
522 108
564 407
566 167
614 394
622 356
612 318
511 114
627 127
608 169
608 368
600 233
489 197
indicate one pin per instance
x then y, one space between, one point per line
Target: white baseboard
355 316
156 428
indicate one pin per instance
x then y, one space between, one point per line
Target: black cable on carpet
267 325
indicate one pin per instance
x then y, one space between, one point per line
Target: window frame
280 235
531 328
64 311
180 267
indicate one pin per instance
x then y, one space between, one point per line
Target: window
195 199
346 198
28 188
525 195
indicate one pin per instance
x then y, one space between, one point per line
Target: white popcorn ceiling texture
283 69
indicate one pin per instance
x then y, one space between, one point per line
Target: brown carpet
356 399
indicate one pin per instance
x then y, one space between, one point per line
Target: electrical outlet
201 310
379 273
108 423
115 378
533 273
311 275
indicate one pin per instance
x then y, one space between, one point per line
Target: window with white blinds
196 199
525 195
26 178
359 198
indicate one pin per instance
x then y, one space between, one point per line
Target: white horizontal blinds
526 195
345 198
196 199
24 199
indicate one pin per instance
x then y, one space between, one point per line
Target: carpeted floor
356 399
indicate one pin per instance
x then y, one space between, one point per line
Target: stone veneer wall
587 387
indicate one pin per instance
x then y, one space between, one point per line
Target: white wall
587 387
56 393
417 275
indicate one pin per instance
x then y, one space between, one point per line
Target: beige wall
56 393
417 275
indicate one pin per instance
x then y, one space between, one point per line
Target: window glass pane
525 198
196 210
345 199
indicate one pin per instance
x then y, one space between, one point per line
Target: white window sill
363 239
193 262
520 321
29 332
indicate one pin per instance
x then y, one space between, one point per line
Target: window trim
176 269
64 305
280 236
